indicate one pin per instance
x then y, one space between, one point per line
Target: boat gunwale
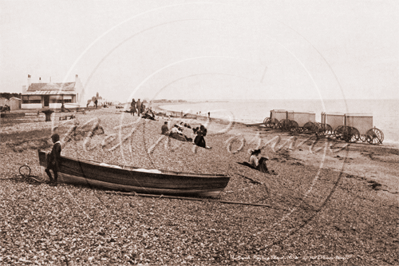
135 169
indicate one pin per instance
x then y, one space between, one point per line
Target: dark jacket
199 139
54 157
164 129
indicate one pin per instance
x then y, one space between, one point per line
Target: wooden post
48 114
62 103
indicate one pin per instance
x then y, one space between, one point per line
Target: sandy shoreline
327 199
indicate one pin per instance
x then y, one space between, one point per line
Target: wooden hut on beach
51 95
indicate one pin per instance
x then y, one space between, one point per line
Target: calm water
385 112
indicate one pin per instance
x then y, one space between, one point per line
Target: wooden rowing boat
154 181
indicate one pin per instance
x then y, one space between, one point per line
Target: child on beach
53 159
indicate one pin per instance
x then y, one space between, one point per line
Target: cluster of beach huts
349 127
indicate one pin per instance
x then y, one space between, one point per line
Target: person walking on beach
133 107
53 159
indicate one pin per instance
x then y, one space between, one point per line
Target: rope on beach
187 198
25 171
252 180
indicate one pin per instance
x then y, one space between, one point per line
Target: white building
51 95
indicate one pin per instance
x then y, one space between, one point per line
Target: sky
198 50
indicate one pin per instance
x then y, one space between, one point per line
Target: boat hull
81 172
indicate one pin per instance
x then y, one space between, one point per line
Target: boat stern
42 158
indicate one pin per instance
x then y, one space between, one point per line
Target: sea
385 112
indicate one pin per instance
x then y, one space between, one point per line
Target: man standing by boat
53 159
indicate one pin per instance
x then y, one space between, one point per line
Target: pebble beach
330 203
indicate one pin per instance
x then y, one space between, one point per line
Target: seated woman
177 134
149 114
258 163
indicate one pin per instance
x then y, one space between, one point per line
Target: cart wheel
375 136
266 121
328 131
339 132
293 126
349 134
319 127
283 124
24 170
353 134
310 127
280 124
274 123
363 138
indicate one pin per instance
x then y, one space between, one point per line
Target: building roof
49 92
67 86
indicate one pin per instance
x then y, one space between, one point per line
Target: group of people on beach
255 160
141 110
137 107
177 133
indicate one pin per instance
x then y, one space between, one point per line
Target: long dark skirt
262 166
200 141
179 137
147 116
